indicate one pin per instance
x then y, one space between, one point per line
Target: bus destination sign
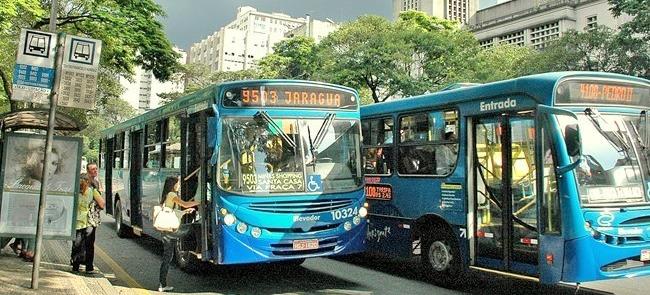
603 92
290 96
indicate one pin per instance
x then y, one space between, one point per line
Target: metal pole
54 97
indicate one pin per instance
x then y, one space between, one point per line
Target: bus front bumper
239 248
587 259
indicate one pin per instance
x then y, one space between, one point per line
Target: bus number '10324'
344 213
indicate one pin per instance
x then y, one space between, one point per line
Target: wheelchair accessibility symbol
315 183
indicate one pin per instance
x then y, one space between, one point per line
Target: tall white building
460 10
314 28
143 93
534 23
247 39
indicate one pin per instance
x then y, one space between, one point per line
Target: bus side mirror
566 124
572 140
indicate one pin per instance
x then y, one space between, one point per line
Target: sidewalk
55 276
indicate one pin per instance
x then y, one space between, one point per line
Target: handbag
165 219
93 214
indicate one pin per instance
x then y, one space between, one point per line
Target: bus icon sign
37 44
81 51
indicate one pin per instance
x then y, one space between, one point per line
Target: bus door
107 165
505 228
135 189
195 175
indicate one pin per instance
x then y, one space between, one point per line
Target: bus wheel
441 258
121 228
185 260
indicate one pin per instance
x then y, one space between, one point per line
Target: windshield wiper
269 121
315 143
614 139
322 130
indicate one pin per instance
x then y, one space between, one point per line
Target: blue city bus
275 165
542 176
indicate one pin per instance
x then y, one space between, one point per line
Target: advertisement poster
22 173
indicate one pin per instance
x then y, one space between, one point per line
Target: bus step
137 231
198 255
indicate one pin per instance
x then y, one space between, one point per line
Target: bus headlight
229 219
347 225
356 220
256 232
363 212
241 227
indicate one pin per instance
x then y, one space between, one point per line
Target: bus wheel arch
440 250
185 259
121 229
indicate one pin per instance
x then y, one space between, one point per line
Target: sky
190 21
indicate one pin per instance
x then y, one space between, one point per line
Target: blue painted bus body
423 204
329 217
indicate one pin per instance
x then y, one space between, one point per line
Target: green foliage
130 31
294 58
427 23
600 49
500 63
249 74
639 27
366 53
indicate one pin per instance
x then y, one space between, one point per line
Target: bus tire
440 258
121 229
185 260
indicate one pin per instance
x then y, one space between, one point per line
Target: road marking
120 272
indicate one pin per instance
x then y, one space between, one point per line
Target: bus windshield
610 171
264 155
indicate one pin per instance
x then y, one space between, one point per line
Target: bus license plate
305 244
645 255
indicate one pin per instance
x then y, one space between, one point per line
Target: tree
129 29
639 26
600 49
113 112
366 53
293 58
501 62
250 74
634 37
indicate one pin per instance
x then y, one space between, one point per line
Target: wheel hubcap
439 256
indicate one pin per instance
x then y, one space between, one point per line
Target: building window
592 22
541 35
516 38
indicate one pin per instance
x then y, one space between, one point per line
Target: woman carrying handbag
171 199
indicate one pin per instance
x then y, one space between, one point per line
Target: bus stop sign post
48 147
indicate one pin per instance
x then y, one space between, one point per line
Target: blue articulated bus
544 176
276 166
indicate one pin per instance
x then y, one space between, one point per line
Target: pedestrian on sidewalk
171 199
83 227
96 206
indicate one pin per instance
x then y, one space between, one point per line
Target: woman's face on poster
37 170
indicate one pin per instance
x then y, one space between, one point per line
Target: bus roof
540 87
206 95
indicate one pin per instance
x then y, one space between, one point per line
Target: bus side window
378 139
550 211
428 143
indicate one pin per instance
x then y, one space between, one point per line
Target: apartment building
535 23
143 92
459 10
244 41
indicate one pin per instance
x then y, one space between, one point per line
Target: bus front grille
286 248
301 206
299 230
